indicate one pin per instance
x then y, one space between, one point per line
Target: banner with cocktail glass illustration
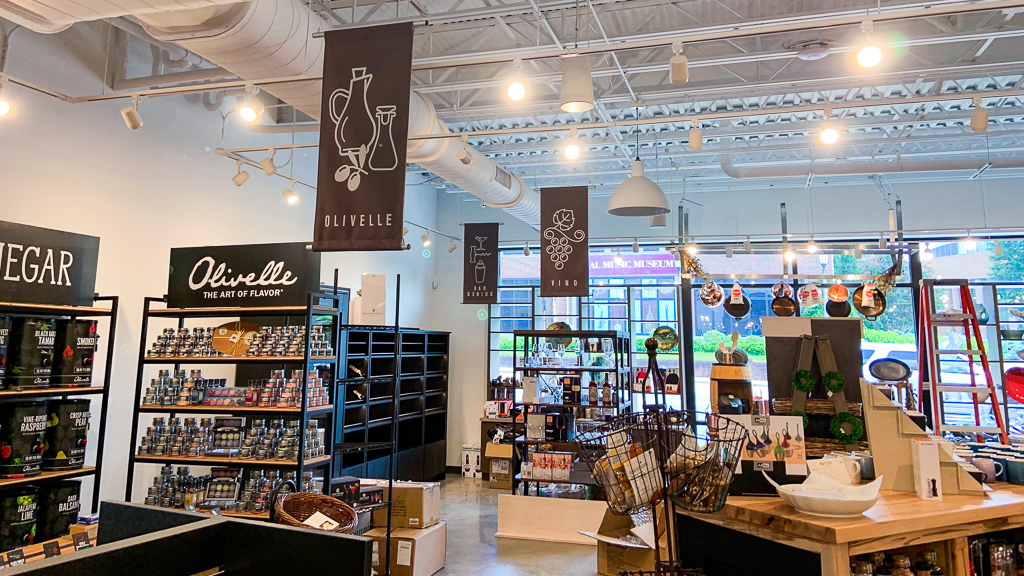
564 242
364 126
480 264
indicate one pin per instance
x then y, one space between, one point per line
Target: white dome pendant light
638 195
577 93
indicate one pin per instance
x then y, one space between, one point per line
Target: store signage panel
364 129
480 264
44 266
246 275
564 242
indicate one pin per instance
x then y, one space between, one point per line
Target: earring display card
774 445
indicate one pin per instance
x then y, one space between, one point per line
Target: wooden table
750 534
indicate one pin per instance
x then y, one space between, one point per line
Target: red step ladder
930 355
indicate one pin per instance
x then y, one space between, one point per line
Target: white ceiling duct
274 38
54 16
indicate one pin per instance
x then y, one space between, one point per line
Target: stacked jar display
263 440
222 488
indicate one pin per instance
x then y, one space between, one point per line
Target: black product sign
480 264
246 275
43 266
364 128
81 540
565 247
51 549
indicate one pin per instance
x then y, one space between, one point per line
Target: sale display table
765 536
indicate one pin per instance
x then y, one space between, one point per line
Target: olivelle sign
242 275
44 266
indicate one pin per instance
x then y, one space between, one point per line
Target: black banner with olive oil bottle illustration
564 242
480 264
364 127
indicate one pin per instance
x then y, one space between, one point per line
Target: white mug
852 464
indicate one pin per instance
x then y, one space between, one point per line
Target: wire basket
640 458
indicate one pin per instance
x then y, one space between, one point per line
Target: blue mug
1015 471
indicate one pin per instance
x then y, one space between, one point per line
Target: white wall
991 203
77 168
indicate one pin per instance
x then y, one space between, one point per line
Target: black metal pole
108 366
394 423
686 331
133 440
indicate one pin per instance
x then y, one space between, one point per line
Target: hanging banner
564 242
480 264
364 127
246 275
44 266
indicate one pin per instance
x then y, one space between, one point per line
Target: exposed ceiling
965 53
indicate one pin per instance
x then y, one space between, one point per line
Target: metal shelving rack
320 304
619 374
69 312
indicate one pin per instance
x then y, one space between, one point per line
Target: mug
852 465
989 467
867 465
1015 471
964 453
976 446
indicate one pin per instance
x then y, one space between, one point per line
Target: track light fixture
696 139
678 66
517 84
858 252
268 164
251 109
812 248
969 242
405 231
132 118
289 193
828 135
572 148
425 239
5 106
979 117
748 246
636 246
242 175
728 251
451 245
869 55
526 250
618 256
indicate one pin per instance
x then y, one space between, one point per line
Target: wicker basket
292 509
818 447
783 406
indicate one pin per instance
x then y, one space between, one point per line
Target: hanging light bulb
829 135
251 108
618 256
451 246
869 55
789 254
268 164
572 148
979 117
5 106
526 250
691 249
696 139
636 246
425 239
678 66
970 243
289 193
812 248
242 175
517 84
577 94
926 254
131 116
748 246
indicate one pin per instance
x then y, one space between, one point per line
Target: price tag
868 301
51 549
81 540
737 294
16 557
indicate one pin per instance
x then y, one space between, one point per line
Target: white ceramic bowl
820 496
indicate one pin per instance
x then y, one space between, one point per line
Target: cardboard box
471 461
500 456
615 555
413 552
414 505
927 473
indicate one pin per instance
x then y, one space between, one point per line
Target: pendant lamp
577 87
659 222
638 196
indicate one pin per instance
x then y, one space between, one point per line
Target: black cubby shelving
323 308
107 310
401 373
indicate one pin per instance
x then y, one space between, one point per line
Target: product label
404 553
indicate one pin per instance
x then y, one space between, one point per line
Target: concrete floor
471 510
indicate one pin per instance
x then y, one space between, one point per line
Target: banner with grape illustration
564 243
364 127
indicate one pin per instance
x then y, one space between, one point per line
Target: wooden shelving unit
98 417
419 402
332 305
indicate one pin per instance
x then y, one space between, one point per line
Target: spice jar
901 565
